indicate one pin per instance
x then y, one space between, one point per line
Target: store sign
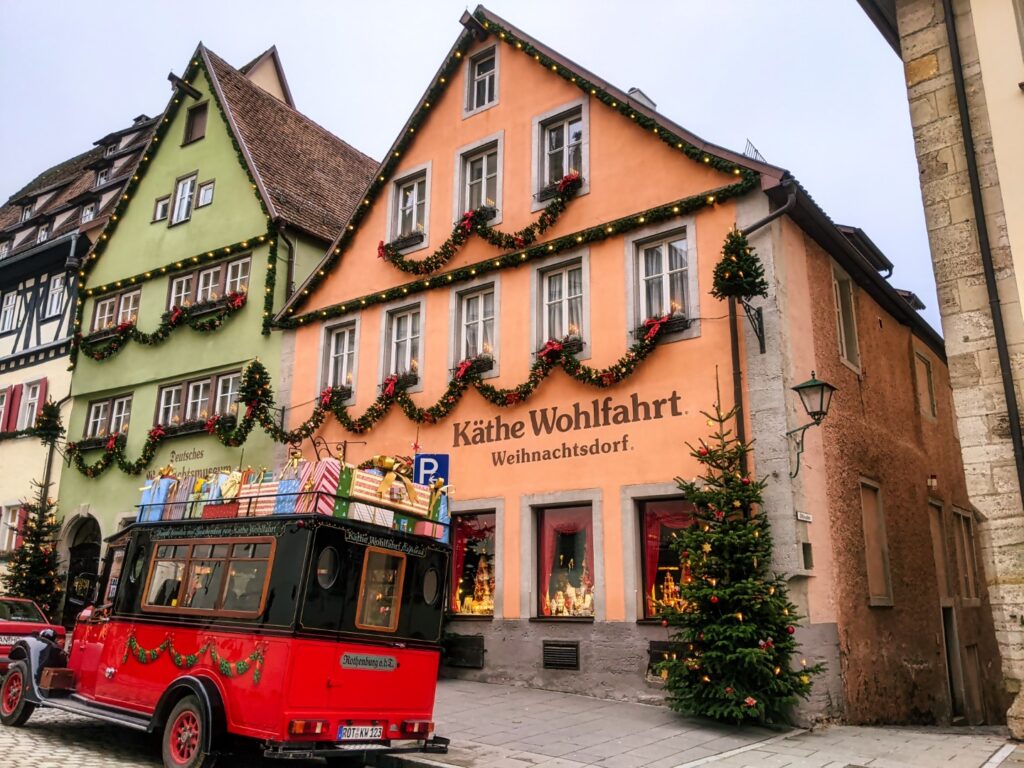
369 661
383 542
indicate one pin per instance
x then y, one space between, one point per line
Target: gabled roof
308 177
274 58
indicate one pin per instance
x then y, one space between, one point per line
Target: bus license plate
360 732
9 639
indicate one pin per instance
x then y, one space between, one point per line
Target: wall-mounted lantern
816 397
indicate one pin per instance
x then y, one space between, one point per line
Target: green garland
256 392
475 222
48 426
196 66
253 661
595 234
747 178
739 273
203 317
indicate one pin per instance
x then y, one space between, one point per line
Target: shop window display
662 570
473 565
565 539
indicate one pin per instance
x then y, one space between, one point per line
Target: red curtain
469 529
673 514
552 523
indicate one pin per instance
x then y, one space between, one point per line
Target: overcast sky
810 83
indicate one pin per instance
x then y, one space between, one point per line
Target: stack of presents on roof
379 491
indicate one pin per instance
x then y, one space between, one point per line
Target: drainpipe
734 341
998 326
289 275
51 449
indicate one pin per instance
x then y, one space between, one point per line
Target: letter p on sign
428 466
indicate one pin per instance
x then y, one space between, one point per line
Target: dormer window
43 234
110 149
26 212
5 248
101 176
88 212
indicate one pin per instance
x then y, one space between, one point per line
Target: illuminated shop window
662 568
565 540
473 565
380 593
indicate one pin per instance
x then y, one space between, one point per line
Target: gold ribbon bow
437 490
231 486
396 468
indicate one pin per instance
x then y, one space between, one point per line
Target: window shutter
22 519
13 403
42 396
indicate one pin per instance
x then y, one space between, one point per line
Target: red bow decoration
157 432
653 326
552 347
249 409
325 396
608 378
122 327
112 441
382 252
72 447
236 300
568 180
519 241
389 386
467 220
427 417
211 424
511 398
463 368
176 314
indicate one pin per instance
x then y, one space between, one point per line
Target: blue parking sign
428 466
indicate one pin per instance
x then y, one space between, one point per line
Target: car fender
210 699
38 654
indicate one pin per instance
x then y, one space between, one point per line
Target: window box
571 345
675 324
550 191
404 380
479 364
344 392
92 443
407 241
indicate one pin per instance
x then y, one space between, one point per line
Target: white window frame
110 149
633 253
55 291
206 186
183 200
102 176
3 405
8 311
27 211
490 169
128 307
538 148
664 277
43 233
180 298
29 407
460 181
404 351
198 400
538 285
5 248
237 276
11 518
120 414
341 365
226 403
206 292
390 312
408 176
170 405
98 419
161 208
843 286
101 319
463 324
88 213
469 105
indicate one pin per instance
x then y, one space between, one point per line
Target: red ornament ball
664 622
791 629
714 599
703 451
746 481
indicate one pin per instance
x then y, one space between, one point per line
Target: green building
236 198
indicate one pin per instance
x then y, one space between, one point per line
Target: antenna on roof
751 151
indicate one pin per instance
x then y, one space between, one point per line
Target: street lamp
816 397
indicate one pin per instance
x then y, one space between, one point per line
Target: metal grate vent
561 654
465 651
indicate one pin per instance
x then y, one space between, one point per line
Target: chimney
642 98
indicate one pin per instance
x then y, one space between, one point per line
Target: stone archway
80 548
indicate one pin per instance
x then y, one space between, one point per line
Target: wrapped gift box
220 509
154 498
258 499
372 486
367 513
404 523
431 529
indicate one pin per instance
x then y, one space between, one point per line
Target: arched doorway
83 543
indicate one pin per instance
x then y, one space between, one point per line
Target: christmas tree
733 644
32 569
739 273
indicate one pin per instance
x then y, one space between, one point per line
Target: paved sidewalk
496 726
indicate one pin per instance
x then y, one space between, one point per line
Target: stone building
562 486
964 64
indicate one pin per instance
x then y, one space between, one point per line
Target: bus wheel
14 708
184 736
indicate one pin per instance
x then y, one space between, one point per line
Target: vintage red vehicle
313 635
20 618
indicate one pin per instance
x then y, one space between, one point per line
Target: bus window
380 590
204 582
247 577
165 577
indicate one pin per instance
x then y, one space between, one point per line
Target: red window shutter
13 401
42 396
22 518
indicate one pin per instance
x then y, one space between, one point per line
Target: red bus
314 636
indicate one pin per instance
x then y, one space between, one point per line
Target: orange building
562 485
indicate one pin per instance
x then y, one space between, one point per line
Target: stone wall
966 319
